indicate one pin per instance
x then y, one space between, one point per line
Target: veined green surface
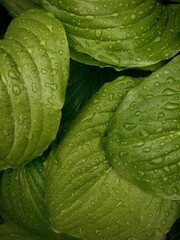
86 195
143 138
119 33
34 69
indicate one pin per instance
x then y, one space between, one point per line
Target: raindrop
166 71
149 96
34 88
169 92
89 17
51 100
138 113
61 52
16 89
50 27
156 84
161 115
138 144
133 16
129 126
141 174
147 149
98 32
157 39
52 86
171 106
170 80
162 143
44 71
12 74
111 96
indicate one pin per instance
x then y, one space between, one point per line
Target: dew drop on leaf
12 74
161 115
133 16
52 86
170 80
147 149
34 88
16 89
129 126
89 17
171 106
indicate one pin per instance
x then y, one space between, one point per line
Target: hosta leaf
86 197
11 232
16 7
117 33
34 72
143 137
22 198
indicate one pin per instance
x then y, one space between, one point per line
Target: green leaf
120 34
144 134
22 197
16 7
34 69
86 197
11 232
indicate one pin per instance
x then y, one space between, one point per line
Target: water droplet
156 84
111 96
133 16
89 17
34 88
51 100
50 27
98 32
169 92
166 71
162 143
12 74
149 96
161 115
147 149
157 39
52 86
61 52
44 71
16 89
141 174
138 144
129 126
170 80
171 106
138 113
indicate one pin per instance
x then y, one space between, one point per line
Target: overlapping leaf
143 137
34 68
86 196
22 198
119 33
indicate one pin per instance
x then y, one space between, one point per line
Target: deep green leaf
86 197
143 136
121 34
22 198
34 69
